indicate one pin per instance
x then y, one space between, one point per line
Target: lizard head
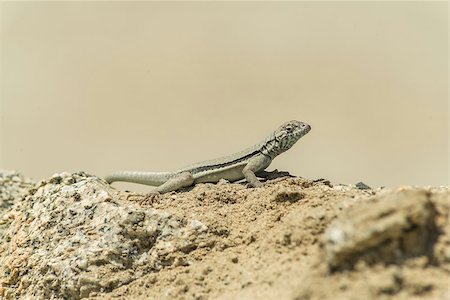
285 137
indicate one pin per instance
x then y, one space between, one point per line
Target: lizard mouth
304 129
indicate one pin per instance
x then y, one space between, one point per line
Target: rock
388 228
73 236
70 240
362 186
12 187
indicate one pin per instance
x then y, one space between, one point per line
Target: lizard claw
256 184
148 198
152 197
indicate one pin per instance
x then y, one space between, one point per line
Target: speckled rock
71 237
12 187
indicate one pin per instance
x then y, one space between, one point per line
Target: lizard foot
152 197
146 199
256 184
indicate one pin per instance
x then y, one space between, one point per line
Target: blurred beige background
155 86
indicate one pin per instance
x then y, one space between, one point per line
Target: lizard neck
279 142
271 147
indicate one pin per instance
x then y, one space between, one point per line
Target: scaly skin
245 164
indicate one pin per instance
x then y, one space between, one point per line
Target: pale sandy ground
272 247
293 238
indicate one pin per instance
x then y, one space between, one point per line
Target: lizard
247 164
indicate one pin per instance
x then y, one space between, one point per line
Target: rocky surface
389 229
69 237
12 187
74 236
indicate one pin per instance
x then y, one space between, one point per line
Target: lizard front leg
258 163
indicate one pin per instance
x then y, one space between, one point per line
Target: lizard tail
148 178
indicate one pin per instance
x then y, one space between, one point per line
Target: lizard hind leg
177 182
